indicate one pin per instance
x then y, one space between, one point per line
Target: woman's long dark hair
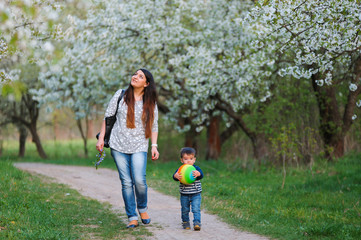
149 100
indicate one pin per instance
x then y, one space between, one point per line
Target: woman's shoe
145 218
132 224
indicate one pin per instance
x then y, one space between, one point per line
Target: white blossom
358 103
48 46
353 87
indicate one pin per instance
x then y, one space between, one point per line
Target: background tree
20 108
322 40
25 27
26 32
105 48
224 77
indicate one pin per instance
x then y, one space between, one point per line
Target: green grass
70 150
33 209
320 204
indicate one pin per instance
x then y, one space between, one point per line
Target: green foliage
3 17
14 88
32 209
285 143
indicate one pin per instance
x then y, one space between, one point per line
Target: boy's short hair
188 151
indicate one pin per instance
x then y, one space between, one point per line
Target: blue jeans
194 200
132 168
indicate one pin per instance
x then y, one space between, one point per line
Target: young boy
190 193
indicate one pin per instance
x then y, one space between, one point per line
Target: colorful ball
186 171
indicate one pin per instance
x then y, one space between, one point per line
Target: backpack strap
120 98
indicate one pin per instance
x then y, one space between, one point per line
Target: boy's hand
178 176
196 173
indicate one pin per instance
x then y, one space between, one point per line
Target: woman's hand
100 144
155 153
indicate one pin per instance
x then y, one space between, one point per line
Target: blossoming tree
226 77
114 40
197 49
25 31
322 42
25 27
212 63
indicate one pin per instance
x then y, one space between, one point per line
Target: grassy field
33 209
320 204
323 204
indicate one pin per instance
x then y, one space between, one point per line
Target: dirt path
104 185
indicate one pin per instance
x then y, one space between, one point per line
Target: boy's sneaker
197 227
186 225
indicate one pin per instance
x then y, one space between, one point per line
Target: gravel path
104 185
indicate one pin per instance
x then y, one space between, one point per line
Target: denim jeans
132 172
194 200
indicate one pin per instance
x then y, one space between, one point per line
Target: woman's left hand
155 153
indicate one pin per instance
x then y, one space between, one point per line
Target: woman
137 121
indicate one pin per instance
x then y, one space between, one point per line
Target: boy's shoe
197 227
186 225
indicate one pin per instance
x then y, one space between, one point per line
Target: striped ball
187 173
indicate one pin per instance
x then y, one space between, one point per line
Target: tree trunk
36 140
334 128
23 133
28 109
213 139
85 141
260 149
190 138
90 132
56 126
330 120
83 134
258 140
